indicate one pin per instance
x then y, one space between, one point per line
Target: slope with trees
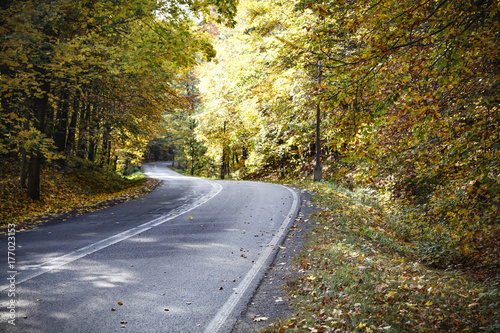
409 97
91 79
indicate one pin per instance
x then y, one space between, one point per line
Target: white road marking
220 318
37 270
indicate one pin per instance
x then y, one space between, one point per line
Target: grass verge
358 275
78 190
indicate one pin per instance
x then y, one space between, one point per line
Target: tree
93 77
257 95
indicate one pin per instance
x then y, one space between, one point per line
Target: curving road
185 258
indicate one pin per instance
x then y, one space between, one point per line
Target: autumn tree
92 78
259 109
414 88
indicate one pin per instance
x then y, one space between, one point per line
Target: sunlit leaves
110 66
410 86
256 89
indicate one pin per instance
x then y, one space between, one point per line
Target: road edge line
225 311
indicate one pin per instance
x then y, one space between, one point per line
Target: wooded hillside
408 92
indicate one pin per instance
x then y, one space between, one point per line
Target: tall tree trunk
35 167
109 153
70 141
105 147
24 167
192 158
40 107
92 126
24 155
82 132
61 124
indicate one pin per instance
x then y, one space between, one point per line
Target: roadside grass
359 273
83 189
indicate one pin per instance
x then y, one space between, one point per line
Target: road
185 258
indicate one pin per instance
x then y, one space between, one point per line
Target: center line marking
89 249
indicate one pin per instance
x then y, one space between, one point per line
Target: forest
91 79
405 94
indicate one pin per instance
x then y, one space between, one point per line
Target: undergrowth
84 188
368 268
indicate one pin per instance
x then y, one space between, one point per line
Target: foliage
91 79
409 98
178 142
255 98
76 190
412 88
358 273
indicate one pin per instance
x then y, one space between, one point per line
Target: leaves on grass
358 276
76 192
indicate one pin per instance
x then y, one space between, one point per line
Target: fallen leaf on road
120 303
260 319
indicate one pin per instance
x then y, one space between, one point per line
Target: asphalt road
185 258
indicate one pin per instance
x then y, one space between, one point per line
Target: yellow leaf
429 303
362 325
190 217
391 294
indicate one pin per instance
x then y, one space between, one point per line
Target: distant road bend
185 258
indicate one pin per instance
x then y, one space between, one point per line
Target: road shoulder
270 301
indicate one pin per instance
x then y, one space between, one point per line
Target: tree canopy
408 92
92 78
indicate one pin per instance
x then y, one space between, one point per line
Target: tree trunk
82 132
40 107
24 168
106 146
35 167
91 143
61 124
24 155
70 141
